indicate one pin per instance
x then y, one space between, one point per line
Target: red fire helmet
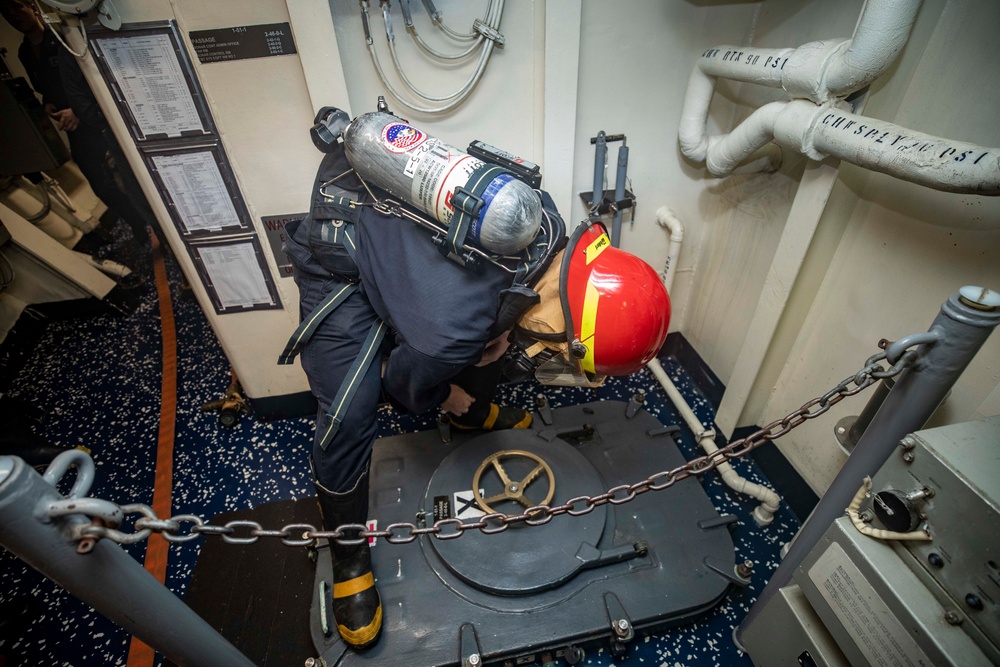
620 307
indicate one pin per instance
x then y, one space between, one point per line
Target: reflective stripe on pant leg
369 352
309 325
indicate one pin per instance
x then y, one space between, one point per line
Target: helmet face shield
614 304
548 361
565 371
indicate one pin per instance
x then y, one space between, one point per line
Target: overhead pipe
823 131
818 76
819 71
763 514
942 164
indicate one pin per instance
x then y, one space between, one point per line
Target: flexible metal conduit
818 76
763 514
436 19
492 22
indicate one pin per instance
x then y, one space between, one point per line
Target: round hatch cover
516 469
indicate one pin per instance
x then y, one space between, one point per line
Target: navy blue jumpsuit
439 315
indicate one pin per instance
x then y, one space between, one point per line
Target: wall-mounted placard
235 274
158 95
152 80
197 187
242 42
274 229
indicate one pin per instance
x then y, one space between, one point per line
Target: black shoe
497 418
357 607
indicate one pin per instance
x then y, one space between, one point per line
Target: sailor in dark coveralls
404 323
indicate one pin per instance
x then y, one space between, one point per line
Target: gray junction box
857 600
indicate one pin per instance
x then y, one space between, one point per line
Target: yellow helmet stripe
588 325
597 246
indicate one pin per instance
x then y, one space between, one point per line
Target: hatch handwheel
512 489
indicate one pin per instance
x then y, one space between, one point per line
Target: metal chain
304 534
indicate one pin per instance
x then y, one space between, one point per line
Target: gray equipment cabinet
858 600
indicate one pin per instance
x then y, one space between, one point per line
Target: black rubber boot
480 382
357 607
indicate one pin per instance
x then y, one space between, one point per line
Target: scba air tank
424 171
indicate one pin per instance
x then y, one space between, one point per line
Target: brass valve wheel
512 490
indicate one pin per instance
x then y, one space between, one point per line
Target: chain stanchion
304 534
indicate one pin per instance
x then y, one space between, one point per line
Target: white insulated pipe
826 130
666 219
881 33
763 514
725 154
942 164
818 71
824 73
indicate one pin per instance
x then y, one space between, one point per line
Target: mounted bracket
469 651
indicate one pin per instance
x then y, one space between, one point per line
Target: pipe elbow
882 32
695 148
772 502
804 75
691 134
745 142
762 516
666 219
795 127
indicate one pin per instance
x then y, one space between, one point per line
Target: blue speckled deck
98 380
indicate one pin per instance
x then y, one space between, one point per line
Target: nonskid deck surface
98 393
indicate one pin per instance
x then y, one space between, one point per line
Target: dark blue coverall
440 317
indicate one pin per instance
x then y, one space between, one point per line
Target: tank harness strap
369 349
309 325
336 200
468 203
352 381
349 235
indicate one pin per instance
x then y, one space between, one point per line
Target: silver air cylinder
424 171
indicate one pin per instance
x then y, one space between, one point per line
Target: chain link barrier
187 527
